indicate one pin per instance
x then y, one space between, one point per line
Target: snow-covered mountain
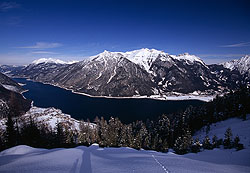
52 61
143 72
242 65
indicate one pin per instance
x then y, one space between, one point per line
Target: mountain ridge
143 72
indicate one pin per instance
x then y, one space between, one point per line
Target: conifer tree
127 136
183 144
60 135
163 129
103 132
180 147
215 142
30 133
196 146
237 143
228 138
207 143
10 132
114 132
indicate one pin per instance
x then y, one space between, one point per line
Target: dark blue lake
83 107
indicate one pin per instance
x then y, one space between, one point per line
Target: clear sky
73 30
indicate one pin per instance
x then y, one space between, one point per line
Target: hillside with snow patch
47 116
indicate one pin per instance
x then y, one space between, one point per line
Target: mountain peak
144 57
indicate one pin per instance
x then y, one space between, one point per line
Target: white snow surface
144 57
94 159
51 60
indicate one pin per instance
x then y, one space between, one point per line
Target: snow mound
20 149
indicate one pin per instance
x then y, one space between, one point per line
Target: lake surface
83 107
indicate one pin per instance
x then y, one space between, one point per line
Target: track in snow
162 166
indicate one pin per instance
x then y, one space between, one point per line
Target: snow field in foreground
94 159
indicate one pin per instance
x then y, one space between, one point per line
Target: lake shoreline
81 106
204 98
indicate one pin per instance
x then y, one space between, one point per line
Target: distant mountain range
144 72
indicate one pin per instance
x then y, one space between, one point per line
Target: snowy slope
94 159
238 126
144 57
105 160
188 58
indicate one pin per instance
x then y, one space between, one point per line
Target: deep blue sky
72 30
